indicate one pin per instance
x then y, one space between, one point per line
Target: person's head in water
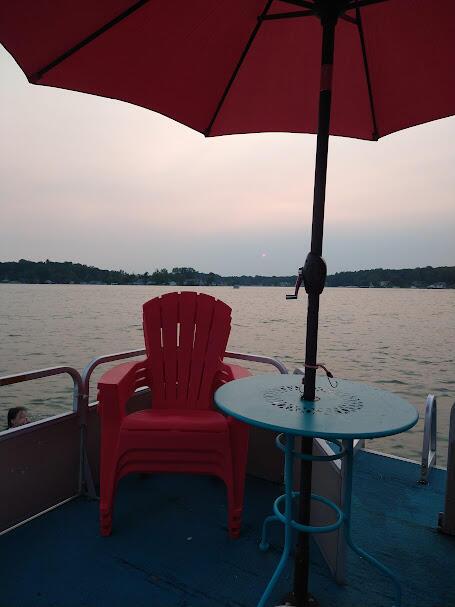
17 416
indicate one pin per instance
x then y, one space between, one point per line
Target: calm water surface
402 340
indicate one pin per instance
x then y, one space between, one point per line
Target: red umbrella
243 66
218 67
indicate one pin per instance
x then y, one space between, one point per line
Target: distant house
438 285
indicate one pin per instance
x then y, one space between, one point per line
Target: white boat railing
258 358
447 518
79 417
429 439
78 408
27 430
81 401
17 378
99 360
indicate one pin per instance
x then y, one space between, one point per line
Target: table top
345 409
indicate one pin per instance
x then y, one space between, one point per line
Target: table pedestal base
290 601
343 517
347 524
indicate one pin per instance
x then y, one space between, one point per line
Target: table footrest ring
310 528
314 458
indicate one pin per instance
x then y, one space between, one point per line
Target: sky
108 184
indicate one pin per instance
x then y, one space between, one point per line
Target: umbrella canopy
232 66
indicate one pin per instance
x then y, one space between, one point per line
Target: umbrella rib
238 66
375 134
301 3
40 73
348 19
287 15
360 3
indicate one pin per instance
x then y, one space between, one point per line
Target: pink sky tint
106 183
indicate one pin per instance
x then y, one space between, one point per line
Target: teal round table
342 411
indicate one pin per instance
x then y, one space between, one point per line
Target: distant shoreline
53 272
107 284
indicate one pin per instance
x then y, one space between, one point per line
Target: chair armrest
228 373
117 385
231 372
239 430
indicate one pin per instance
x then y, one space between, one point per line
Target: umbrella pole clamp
312 274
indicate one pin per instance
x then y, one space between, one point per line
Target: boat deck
170 547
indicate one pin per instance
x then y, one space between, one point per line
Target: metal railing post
429 439
447 518
86 484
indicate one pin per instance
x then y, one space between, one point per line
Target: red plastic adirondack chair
185 336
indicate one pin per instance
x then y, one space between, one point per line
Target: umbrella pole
314 273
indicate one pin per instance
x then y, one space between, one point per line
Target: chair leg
107 491
234 514
239 438
239 492
237 508
235 523
105 523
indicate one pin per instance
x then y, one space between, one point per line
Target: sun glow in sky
105 183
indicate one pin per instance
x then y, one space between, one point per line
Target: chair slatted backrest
186 335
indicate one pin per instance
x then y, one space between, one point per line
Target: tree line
42 272
441 277
66 272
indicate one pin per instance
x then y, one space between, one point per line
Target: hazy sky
105 183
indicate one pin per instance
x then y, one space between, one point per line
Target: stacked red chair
186 335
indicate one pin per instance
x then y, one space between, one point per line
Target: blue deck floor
170 547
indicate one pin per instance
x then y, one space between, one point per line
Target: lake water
402 340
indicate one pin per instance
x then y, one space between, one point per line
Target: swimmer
17 416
